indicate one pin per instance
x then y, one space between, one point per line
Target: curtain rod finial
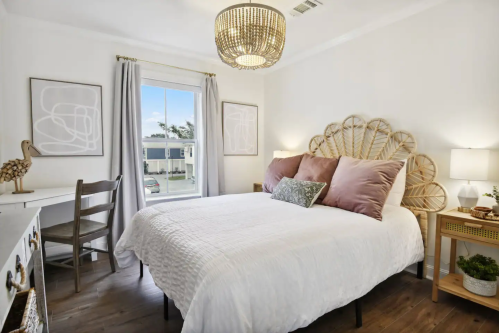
125 58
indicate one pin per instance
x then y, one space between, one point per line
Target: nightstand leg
453 251
436 273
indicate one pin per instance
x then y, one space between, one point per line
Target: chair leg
110 251
141 269
81 258
165 307
358 312
44 254
76 267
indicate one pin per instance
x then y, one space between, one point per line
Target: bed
247 263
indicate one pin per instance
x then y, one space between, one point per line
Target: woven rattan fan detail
375 140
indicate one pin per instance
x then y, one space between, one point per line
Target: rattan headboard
375 140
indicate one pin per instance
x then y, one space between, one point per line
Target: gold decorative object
16 169
484 215
250 35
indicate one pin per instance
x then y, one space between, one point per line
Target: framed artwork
240 129
66 118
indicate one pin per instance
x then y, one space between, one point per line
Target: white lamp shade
281 153
469 164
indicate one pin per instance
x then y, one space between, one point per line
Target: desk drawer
24 250
475 230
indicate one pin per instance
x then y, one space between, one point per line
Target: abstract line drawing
240 129
67 118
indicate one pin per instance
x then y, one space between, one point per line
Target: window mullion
167 148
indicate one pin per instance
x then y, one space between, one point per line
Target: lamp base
464 209
468 197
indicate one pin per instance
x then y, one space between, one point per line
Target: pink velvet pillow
317 169
278 168
362 186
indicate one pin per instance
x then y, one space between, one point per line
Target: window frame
195 141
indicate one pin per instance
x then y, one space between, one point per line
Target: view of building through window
169 139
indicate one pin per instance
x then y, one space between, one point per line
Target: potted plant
480 274
494 195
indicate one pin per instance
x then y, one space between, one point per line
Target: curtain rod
157 63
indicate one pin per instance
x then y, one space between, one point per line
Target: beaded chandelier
250 35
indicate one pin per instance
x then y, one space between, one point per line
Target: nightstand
464 227
257 187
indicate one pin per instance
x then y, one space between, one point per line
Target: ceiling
188 24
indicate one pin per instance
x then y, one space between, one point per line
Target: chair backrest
94 188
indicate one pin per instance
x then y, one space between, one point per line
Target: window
169 129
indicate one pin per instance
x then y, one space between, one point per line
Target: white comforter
247 263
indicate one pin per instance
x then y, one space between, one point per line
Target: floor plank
468 318
122 302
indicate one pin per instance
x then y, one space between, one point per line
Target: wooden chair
80 230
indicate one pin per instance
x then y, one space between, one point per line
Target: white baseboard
430 269
55 251
58 251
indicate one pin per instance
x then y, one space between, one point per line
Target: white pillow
397 192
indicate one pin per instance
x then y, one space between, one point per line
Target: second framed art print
240 129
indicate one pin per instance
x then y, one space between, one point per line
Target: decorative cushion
278 168
362 186
298 192
398 189
317 169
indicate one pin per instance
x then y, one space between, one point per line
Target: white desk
40 198
44 198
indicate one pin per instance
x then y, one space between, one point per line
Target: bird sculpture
17 169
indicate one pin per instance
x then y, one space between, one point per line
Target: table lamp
281 153
469 164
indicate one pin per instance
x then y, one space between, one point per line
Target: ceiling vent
304 7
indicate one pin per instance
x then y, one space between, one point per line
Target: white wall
2 24
435 74
32 48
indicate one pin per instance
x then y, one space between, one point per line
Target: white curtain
127 144
212 161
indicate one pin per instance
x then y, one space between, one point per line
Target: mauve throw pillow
317 169
278 168
362 186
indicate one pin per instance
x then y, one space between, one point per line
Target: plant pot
495 208
479 287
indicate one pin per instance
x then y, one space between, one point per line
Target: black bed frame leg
165 306
141 269
420 270
358 312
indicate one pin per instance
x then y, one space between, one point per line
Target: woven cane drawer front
471 230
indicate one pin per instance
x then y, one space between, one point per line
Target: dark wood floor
121 302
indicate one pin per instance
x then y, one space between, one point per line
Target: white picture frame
66 118
240 129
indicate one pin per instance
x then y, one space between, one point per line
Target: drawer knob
10 278
35 240
473 225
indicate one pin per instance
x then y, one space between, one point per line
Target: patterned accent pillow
298 192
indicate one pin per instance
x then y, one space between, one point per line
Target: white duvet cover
247 263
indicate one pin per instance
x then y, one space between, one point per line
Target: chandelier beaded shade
250 35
